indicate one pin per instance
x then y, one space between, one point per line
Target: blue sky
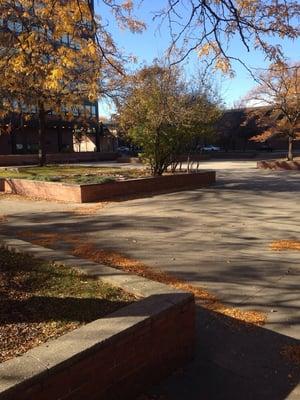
152 43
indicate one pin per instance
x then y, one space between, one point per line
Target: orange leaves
51 55
280 245
208 300
222 63
251 317
120 261
279 89
263 136
90 210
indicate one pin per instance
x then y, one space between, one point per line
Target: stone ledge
130 348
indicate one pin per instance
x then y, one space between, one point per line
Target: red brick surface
122 367
159 184
43 190
278 164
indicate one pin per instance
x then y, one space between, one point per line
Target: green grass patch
76 174
39 301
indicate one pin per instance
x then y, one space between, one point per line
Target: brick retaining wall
107 191
113 358
158 184
42 190
279 165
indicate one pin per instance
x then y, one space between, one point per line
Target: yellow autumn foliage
56 52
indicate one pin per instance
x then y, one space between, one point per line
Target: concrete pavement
218 238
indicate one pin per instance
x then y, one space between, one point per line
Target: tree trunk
189 161
290 153
99 131
13 140
42 134
157 163
174 166
59 137
23 134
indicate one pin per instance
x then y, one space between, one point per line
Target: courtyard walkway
217 238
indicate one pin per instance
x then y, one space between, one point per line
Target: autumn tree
162 116
279 93
56 54
209 27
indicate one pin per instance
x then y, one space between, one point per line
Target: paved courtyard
217 238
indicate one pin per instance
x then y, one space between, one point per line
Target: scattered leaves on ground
280 245
291 353
209 301
248 317
123 262
39 301
47 239
88 209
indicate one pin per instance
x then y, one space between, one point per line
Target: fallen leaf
280 245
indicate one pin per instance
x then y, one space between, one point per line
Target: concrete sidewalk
218 238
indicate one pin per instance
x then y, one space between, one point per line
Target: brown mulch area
40 301
123 262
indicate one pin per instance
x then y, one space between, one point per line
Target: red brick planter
107 191
42 190
279 165
113 358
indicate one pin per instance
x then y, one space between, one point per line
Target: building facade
237 126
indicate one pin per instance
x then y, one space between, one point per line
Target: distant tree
279 89
56 54
163 116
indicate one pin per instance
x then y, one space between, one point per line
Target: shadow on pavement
245 212
233 362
